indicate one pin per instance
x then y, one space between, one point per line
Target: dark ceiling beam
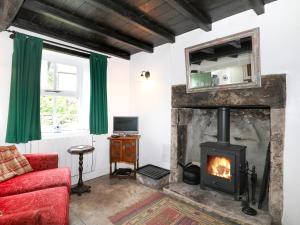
234 56
135 16
236 44
8 12
76 40
258 6
64 50
227 51
213 59
208 50
90 26
199 17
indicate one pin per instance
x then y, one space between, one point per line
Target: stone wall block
276 175
174 116
185 116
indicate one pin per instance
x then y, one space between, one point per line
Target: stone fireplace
257 119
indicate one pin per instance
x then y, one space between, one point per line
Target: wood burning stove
223 164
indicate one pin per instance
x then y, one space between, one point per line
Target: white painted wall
6 47
118 104
280 53
151 101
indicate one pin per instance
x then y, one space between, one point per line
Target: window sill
64 134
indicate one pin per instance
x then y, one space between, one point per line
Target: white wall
6 46
151 101
118 104
280 53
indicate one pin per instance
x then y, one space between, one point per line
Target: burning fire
219 166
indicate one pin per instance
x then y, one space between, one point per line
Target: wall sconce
145 74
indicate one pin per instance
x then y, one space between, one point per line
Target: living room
148 72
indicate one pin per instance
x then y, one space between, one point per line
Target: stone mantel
271 95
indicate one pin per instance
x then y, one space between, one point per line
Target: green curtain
24 105
98 98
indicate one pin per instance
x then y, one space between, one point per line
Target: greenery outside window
60 96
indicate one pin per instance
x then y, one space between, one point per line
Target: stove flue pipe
224 125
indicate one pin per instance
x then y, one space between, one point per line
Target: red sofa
40 197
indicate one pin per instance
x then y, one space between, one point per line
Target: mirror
226 63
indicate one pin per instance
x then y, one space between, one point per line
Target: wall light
145 74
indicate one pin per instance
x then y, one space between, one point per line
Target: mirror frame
255 59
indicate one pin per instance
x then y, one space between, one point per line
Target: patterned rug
159 209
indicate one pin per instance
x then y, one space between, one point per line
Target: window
60 96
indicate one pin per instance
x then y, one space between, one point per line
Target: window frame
57 93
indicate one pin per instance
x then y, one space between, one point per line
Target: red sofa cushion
42 161
36 181
31 217
52 204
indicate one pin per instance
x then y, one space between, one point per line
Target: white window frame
55 93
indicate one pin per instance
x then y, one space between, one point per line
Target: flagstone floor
108 196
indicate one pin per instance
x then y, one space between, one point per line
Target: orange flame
219 166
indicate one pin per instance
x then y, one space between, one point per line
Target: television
125 125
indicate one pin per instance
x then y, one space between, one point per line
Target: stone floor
108 196
216 203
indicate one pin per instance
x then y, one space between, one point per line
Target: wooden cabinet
125 150
129 151
116 150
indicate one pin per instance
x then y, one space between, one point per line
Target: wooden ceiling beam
213 59
84 24
227 51
98 47
196 15
208 50
258 6
236 43
234 56
8 12
135 16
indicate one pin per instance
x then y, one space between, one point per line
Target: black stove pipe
224 125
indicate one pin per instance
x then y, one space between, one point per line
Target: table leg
110 169
80 188
80 169
134 170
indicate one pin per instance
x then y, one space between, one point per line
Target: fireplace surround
270 97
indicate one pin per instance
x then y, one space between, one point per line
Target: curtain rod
58 47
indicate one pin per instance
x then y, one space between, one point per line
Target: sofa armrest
42 161
31 217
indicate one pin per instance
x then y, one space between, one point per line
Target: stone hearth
216 203
263 119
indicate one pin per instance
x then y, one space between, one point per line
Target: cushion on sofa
52 203
12 163
37 180
42 161
30 217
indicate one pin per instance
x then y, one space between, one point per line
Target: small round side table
80 150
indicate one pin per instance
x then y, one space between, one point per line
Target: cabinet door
115 150
129 151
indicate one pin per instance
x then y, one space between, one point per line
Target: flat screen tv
125 125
